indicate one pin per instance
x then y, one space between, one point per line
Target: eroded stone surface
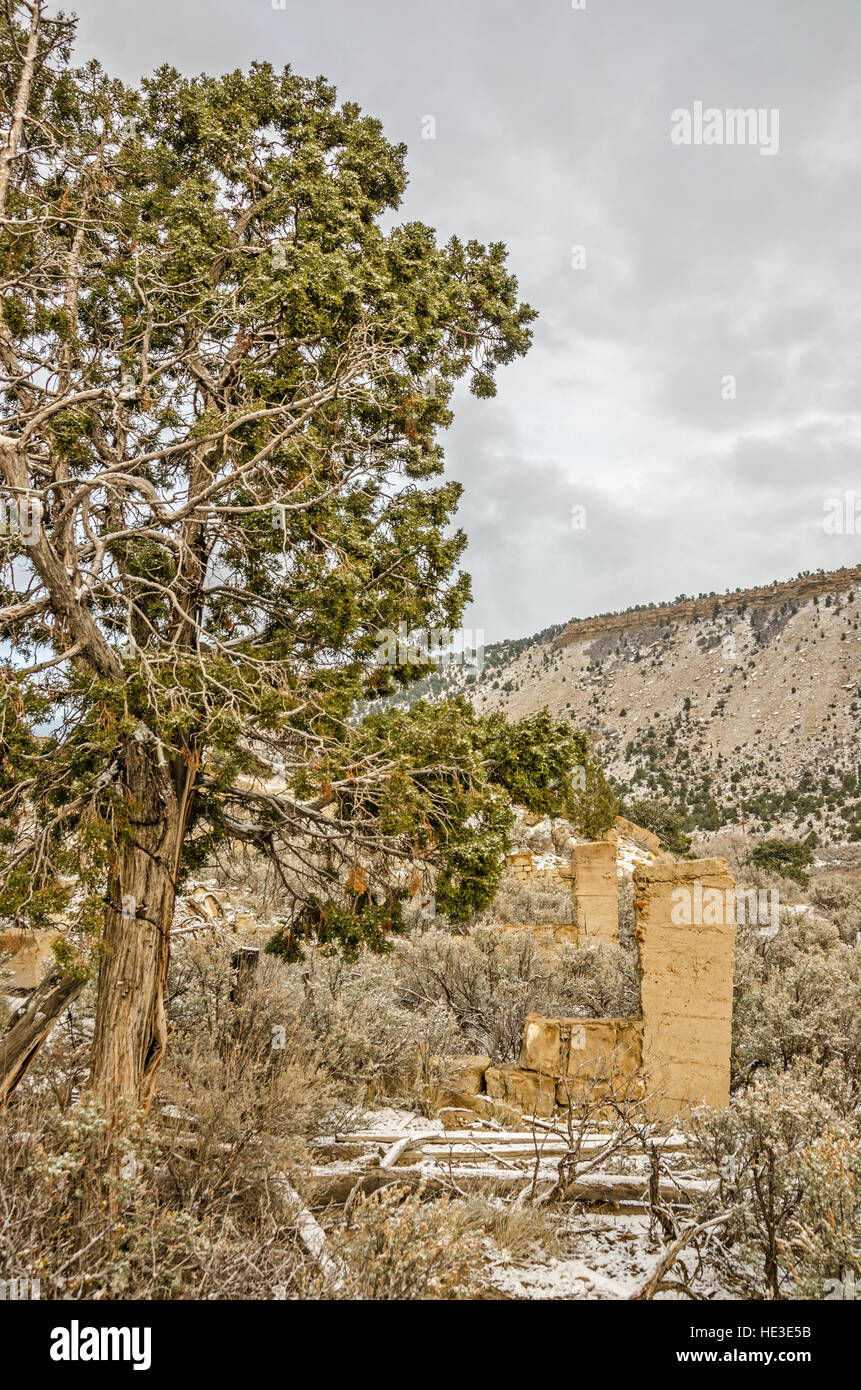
686 969
595 886
529 1092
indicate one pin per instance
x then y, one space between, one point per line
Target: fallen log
595 1188
314 1238
671 1144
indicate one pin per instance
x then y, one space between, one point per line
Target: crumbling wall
595 886
643 838
538 868
680 1040
685 929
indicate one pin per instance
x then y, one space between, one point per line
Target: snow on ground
631 856
390 1119
597 1254
605 1257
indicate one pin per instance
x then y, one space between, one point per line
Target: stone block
685 944
595 887
541 1050
644 838
462 1074
530 1092
571 1047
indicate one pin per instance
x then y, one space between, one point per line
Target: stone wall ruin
680 1042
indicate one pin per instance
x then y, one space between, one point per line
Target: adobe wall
596 890
682 1037
538 868
685 930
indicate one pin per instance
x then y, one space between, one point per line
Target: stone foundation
569 1047
540 869
529 1092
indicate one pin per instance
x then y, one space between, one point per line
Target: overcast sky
703 262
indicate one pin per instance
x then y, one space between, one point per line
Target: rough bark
131 1027
21 1043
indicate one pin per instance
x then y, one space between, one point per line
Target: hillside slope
745 705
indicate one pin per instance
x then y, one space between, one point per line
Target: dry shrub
826 1243
188 1203
535 902
838 896
374 1019
490 981
402 1247
784 1159
158 1221
356 1014
521 1231
797 995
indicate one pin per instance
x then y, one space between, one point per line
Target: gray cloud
553 130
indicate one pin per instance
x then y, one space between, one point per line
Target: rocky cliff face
794 591
741 706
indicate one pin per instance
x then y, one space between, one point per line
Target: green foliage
451 778
243 404
538 760
663 820
785 857
363 923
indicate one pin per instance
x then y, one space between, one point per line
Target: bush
490 981
787 857
188 1204
663 820
839 898
401 1247
369 1034
826 1246
784 1155
797 995
378 1019
527 903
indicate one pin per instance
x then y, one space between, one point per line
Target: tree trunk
21 1043
131 1027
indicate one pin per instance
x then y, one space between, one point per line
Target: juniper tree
223 386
